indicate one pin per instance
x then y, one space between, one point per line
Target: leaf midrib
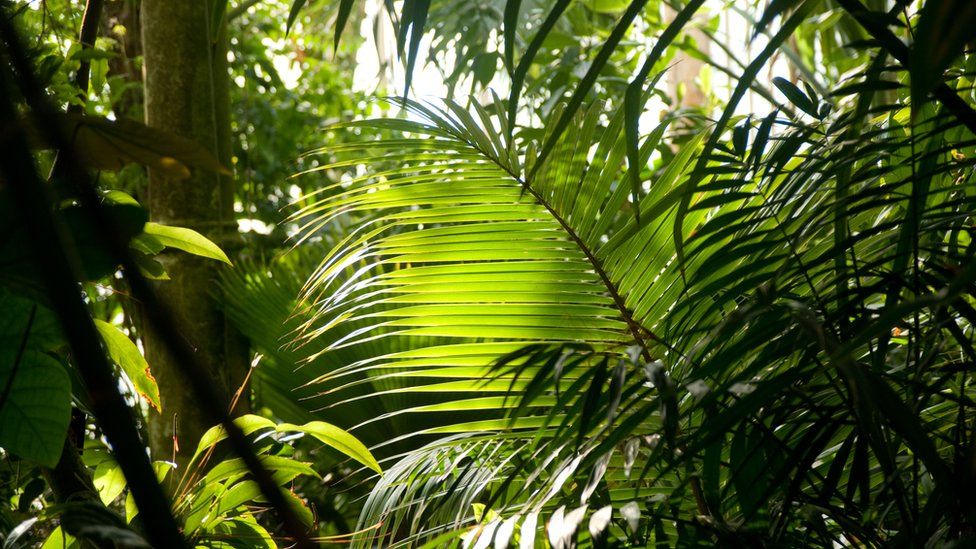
633 325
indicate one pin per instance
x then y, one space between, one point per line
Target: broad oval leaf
124 352
35 405
187 240
795 96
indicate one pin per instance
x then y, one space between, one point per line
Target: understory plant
756 335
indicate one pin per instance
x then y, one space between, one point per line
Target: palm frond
459 247
760 357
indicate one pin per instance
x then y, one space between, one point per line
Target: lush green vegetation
649 273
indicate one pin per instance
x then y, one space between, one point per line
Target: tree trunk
187 93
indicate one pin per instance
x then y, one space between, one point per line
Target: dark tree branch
71 483
108 405
69 479
87 37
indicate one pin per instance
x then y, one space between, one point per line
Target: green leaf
338 439
235 496
774 9
606 6
45 331
743 85
60 540
125 353
588 80
525 62
149 267
445 540
283 470
93 54
248 423
187 240
484 67
244 529
146 244
296 7
414 19
35 405
635 95
300 507
866 87
108 480
345 8
35 391
795 96
119 197
509 28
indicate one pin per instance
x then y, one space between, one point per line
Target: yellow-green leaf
187 240
248 423
125 353
338 439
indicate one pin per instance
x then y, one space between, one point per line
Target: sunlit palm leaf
766 292
461 247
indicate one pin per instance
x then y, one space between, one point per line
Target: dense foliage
579 301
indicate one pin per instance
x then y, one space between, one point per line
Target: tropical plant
758 339
216 501
593 297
